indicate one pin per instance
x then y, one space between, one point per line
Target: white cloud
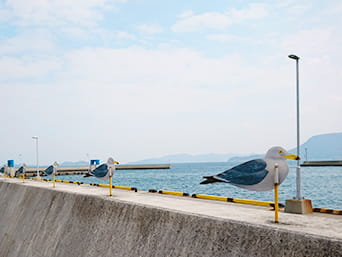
14 68
4 15
176 67
316 41
77 32
210 20
225 38
58 12
125 35
150 29
254 11
186 14
31 41
298 9
337 9
217 20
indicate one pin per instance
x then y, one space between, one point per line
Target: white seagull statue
256 175
105 170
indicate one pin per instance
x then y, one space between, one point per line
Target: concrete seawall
39 221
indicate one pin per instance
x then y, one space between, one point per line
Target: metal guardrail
329 211
237 200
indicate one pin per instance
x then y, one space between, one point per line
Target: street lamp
298 195
36 138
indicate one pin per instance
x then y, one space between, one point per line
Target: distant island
322 147
186 158
319 147
74 164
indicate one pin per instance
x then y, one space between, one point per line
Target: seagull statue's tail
209 180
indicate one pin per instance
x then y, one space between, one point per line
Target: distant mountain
317 148
181 158
245 158
74 164
322 147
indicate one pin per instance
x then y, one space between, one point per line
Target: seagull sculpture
256 175
104 171
2 172
21 170
52 169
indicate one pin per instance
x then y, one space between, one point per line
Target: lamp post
36 138
298 194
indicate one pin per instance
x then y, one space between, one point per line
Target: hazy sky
136 79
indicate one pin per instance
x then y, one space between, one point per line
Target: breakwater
72 220
322 163
85 169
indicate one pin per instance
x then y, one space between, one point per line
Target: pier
321 163
84 169
82 220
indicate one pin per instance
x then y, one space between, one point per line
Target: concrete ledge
39 221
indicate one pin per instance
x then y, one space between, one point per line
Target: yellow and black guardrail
118 187
165 192
92 184
236 200
62 181
218 198
67 181
328 211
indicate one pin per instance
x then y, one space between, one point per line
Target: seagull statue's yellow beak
116 162
291 156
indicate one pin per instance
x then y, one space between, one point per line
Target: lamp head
295 57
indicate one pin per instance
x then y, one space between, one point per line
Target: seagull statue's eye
280 151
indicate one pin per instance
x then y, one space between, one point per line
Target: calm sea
323 185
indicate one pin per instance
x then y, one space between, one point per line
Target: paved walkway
327 225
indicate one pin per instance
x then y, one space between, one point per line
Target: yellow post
110 186
23 176
276 200
54 180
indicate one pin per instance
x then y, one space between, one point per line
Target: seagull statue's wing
248 173
101 171
20 170
49 170
2 170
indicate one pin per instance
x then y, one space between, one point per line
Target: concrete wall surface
37 222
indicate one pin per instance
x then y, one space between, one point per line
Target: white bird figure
21 170
256 175
105 170
2 170
52 169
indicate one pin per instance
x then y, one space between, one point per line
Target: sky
137 79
